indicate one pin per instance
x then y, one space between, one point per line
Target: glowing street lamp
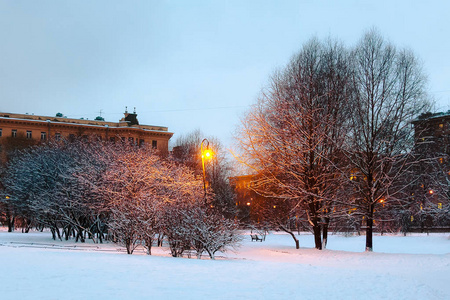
206 154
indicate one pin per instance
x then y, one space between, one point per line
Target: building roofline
81 122
429 116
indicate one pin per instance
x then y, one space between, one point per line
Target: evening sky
189 64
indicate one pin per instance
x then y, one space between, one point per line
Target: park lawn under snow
33 266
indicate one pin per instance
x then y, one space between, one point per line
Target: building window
441 125
43 136
112 139
0 132
71 137
57 136
141 143
14 132
131 140
29 134
154 144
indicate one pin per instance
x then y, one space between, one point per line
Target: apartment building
41 128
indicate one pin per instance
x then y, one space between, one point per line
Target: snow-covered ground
33 266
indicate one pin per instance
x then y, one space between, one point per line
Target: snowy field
33 266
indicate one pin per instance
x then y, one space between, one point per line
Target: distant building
431 188
42 128
244 194
432 133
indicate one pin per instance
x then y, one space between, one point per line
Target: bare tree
388 92
292 136
218 168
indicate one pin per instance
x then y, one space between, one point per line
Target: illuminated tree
292 136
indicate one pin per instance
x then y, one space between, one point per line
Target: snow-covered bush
211 231
81 188
45 188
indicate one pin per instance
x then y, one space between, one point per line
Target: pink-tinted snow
33 266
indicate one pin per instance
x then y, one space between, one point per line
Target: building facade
42 128
432 133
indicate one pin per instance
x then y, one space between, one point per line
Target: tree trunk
160 240
148 245
369 230
28 225
297 244
80 235
58 232
317 236
211 254
11 221
325 233
66 232
129 246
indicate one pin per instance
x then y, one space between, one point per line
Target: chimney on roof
131 119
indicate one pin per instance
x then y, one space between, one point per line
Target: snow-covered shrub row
125 193
44 189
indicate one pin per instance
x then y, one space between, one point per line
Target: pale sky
189 64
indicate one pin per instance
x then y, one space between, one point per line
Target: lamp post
206 154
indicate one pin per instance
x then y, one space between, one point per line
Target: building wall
432 133
38 127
